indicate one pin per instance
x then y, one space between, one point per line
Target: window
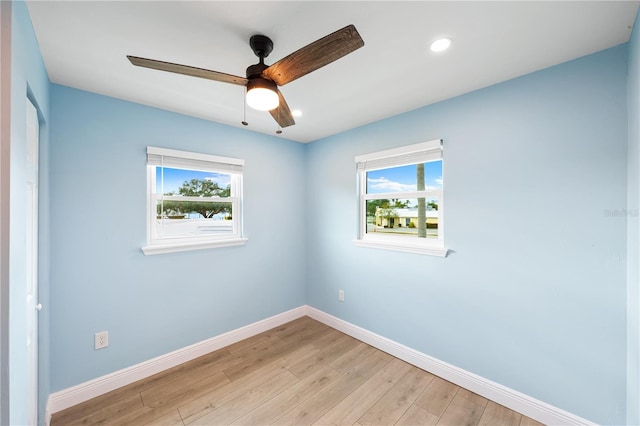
194 201
401 206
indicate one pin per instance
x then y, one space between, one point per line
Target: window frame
187 160
411 154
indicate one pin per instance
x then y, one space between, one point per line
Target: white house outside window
401 204
194 201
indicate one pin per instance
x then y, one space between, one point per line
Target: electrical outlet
341 295
101 340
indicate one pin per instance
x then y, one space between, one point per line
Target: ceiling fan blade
187 70
282 114
315 55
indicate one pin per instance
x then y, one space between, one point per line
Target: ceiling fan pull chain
244 108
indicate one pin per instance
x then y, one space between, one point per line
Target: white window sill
174 248
403 246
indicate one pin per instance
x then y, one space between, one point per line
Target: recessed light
440 45
296 113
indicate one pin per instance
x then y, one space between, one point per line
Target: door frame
32 254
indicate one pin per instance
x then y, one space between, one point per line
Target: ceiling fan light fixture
440 45
262 94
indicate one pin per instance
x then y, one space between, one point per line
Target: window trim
410 154
183 159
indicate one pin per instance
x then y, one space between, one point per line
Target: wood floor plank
328 339
256 346
296 324
248 344
273 333
391 407
473 397
310 336
299 325
305 332
416 415
96 414
171 419
329 352
206 365
287 400
210 401
111 403
240 356
351 358
140 417
194 410
117 396
437 397
461 412
184 388
498 415
351 408
232 410
383 355
315 407
205 361
261 359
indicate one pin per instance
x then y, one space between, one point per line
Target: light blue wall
533 295
28 79
633 231
152 305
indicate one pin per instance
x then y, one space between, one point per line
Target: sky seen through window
404 178
174 178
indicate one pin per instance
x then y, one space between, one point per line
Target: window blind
412 154
175 159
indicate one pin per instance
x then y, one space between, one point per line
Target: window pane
401 217
405 178
177 218
189 219
192 182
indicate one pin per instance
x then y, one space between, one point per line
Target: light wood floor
301 373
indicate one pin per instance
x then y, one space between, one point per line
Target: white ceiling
85 43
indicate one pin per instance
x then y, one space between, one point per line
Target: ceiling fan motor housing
254 71
261 45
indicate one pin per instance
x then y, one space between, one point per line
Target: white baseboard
531 407
69 397
524 404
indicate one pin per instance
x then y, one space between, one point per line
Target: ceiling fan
262 80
